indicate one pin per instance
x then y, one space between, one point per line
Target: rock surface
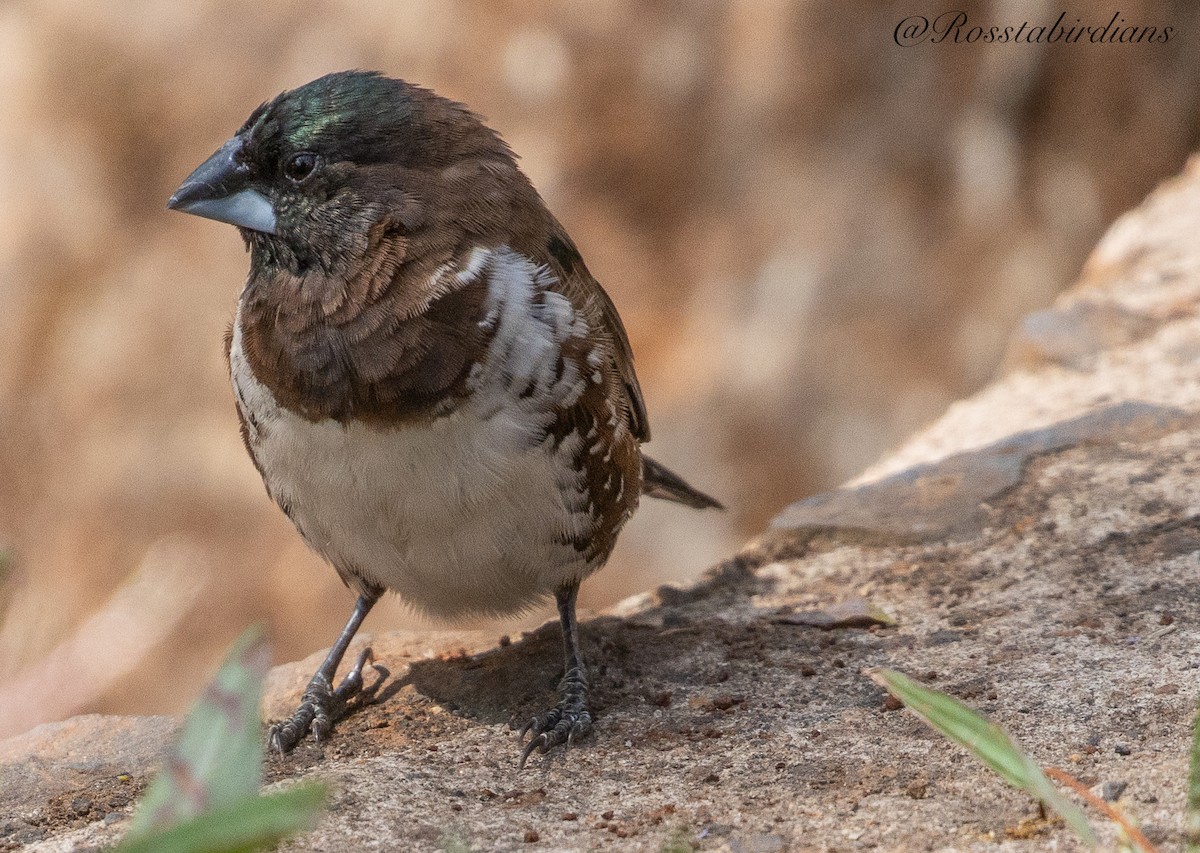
1036 550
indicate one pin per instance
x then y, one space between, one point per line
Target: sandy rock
1035 552
68 775
950 498
1074 335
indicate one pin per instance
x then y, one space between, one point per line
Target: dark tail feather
658 481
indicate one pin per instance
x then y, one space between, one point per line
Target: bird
433 387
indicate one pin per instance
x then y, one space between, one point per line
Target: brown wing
598 309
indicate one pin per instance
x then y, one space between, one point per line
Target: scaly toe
557 727
314 714
320 707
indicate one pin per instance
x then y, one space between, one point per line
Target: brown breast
377 344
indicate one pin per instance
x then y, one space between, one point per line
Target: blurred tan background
817 239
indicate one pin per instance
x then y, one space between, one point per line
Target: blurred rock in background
817 239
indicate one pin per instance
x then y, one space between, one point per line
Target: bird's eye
300 166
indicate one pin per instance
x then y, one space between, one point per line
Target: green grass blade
246 824
1192 814
217 760
987 741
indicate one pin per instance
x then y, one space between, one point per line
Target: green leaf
987 741
1192 813
245 824
217 760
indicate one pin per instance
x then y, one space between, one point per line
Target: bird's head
312 173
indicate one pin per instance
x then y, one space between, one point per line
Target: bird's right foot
565 723
320 707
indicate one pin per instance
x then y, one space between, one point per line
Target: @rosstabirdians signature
955 27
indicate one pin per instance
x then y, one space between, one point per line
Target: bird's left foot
320 707
566 723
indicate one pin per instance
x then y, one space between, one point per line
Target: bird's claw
320 707
564 724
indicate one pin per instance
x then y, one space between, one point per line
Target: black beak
220 189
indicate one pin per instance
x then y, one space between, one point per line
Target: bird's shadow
515 680
504 684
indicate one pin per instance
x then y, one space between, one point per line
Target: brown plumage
432 384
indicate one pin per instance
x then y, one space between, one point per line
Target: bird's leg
321 704
569 720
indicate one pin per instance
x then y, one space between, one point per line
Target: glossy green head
310 172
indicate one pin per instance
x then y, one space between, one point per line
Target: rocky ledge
1036 552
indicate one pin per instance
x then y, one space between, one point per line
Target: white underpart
468 514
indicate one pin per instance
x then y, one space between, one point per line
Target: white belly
466 514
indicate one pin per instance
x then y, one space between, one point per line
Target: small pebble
1110 792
